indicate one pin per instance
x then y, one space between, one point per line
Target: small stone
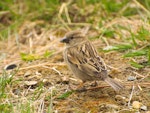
10 66
44 80
16 91
131 78
108 108
112 106
38 73
27 73
136 104
144 108
30 83
120 99
65 80
137 112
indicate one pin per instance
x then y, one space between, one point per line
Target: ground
41 81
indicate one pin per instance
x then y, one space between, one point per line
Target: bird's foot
94 84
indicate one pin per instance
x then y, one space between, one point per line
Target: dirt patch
45 80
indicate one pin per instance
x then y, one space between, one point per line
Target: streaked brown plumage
84 61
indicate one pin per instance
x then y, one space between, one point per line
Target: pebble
120 99
16 91
112 106
44 80
131 78
109 108
27 73
65 80
136 104
30 83
10 66
144 108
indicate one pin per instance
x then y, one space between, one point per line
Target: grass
5 79
15 13
126 22
31 57
26 104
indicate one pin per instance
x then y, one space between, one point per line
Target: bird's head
73 38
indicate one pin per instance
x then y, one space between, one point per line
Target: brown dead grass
42 81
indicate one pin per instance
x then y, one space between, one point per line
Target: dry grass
42 82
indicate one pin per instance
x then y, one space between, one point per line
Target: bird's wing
85 57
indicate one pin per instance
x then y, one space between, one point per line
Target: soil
49 79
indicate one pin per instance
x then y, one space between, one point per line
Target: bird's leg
81 87
94 84
81 84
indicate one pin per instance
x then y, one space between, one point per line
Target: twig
76 80
79 24
111 67
63 6
138 74
128 84
124 8
41 106
40 65
57 71
145 77
51 100
141 84
142 7
53 68
113 22
4 12
131 95
67 15
105 40
33 66
26 91
144 46
139 87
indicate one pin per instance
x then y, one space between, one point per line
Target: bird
84 61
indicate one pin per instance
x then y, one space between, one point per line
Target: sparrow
84 61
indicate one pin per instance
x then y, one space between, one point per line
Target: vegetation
28 26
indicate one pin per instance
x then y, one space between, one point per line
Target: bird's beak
64 40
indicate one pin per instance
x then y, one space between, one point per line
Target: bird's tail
114 84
